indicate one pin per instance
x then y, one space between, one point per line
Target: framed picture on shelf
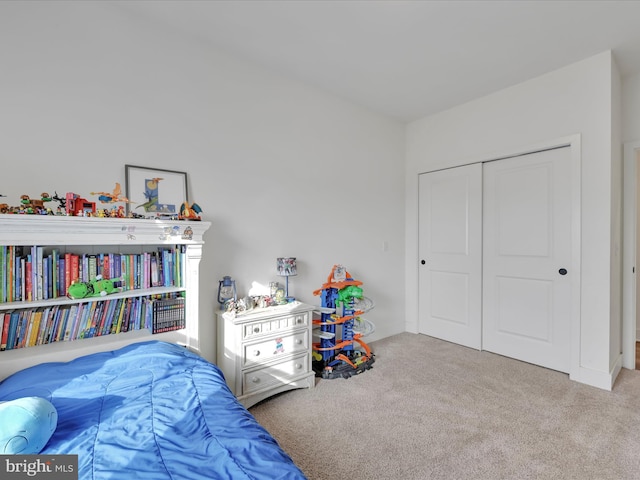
155 192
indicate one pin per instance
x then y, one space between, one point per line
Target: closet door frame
574 143
629 249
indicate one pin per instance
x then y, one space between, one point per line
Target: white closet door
526 262
450 240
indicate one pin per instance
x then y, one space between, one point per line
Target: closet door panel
450 239
526 246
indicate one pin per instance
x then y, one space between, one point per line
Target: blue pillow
26 425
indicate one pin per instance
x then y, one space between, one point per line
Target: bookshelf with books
154 264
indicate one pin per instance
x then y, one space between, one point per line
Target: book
115 328
39 295
49 280
44 326
13 326
88 319
23 321
55 260
109 317
70 316
3 273
60 322
62 286
6 320
67 271
54 317
155 282
127 316
48 325
10 273
74 269
92 267
28 274
34 327
77 321
45 279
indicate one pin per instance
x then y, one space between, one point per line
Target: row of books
29 327
33 273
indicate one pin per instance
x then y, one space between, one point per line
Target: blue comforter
151 410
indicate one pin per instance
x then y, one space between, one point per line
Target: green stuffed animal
95 288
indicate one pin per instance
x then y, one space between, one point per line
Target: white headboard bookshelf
100 235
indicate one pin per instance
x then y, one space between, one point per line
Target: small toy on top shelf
62 203
77 206
31 206
111 197
189 212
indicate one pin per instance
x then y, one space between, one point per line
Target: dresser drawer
254 329
275 374
267 350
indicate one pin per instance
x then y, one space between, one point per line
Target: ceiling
408 59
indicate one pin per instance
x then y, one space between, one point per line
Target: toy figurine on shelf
111 197
79 207
62 203
117 212
189 212
95 288
33 206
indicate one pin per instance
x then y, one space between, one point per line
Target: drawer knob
299 320
298 366
256 329
299 341
256 353
255 380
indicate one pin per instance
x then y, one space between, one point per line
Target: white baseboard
598 378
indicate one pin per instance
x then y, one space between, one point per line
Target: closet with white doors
495 255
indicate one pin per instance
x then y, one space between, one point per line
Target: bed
150 410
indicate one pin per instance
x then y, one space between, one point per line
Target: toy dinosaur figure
95 288
111 197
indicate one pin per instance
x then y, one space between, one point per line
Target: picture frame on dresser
155 192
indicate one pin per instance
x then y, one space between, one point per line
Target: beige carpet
433 410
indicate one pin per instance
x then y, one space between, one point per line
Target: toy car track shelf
69 278
341 354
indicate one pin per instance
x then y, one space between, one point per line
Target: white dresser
266 351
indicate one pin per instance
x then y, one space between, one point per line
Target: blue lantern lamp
286 269
226 290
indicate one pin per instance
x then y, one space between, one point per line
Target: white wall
574 100
280 169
